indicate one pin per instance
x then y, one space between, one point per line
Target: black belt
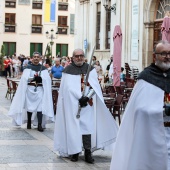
167 124
33 84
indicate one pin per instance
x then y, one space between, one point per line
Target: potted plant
2 54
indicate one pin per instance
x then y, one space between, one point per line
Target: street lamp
109 8
51 36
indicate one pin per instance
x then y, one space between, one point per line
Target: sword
86 81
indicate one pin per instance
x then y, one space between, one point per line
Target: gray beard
78 63
162 65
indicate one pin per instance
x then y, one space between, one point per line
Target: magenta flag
166 29
117 51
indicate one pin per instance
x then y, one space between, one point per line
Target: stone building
24 25
140 21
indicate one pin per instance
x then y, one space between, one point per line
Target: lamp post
51 36
109 8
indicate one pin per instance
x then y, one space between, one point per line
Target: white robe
141 142
95 120
19 106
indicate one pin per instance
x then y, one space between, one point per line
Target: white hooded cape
95 120
141 142
17 110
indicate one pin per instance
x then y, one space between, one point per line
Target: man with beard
141 141
96 127
33 96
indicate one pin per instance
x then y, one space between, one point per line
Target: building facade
140 22
29 25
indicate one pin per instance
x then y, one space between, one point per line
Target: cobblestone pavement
22 149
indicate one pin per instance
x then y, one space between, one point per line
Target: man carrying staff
33 96
96 127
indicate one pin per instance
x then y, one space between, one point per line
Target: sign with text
134 31
24 2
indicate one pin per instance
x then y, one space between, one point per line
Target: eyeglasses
164 54
35 56
77 56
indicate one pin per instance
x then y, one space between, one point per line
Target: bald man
56 70
91 129
141 143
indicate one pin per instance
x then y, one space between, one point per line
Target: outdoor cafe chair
9 89
116 111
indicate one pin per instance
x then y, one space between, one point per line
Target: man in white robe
33 96
141 142
96 127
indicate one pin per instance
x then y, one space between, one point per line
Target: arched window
163 7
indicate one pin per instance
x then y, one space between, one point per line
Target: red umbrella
166 29
117 39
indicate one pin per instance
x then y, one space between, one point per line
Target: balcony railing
36 28
10 27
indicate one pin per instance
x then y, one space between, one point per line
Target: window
63 7
9 22
10 18
10 3
62 21
98 26
107 41
36 23
35 47
62 50
36 19
37 4
10 48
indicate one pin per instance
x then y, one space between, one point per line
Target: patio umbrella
165 29
117 40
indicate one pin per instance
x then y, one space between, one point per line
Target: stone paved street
22 149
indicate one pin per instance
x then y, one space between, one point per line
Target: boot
88 156
40 129
39 117
75 157
29 115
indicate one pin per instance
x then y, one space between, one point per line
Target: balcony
36 28
10 27
37 4
10 3
62 30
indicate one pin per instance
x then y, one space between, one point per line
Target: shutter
12 47
31 49
72 16
6 47
58 49
64 51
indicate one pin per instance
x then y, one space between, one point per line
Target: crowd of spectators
14 66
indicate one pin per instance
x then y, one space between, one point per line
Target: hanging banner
49 12
134 31
53 7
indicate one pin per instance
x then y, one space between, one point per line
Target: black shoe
40 129
88 156
75 157
28 125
